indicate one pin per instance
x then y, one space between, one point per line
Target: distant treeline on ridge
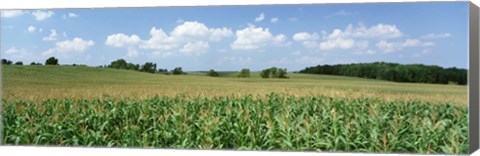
394 72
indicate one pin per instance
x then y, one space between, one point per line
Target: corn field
270 122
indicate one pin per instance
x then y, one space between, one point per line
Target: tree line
49 61
151 67
394 72
377 70
274 72
148 67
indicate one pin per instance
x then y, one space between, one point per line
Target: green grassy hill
40 82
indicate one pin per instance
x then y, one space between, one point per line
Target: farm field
86 106
46 82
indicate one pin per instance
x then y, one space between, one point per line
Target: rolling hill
43 82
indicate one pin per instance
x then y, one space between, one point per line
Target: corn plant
270 122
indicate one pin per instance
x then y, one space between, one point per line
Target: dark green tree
265 73
160 70
51 61
118 64
149 67
274 72
6 62
394 72
177 71
212 73
282 73
34 63
245 73
132 66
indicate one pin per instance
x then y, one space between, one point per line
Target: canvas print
373 77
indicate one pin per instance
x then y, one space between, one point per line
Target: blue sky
235 37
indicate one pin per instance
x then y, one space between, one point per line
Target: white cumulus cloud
280 38
77 45
260 17
383 31
302 36
427 44
132 52
42 15
411 43
194 48
31 29
337 43
72 15
251 38
218 34
11 13
122 40
435 36
388 47
64 47
52 36
17 53
310 44
361 44
190 37
192 30
274 20
159 41
308 40
349 38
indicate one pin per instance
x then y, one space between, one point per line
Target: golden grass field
47 82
